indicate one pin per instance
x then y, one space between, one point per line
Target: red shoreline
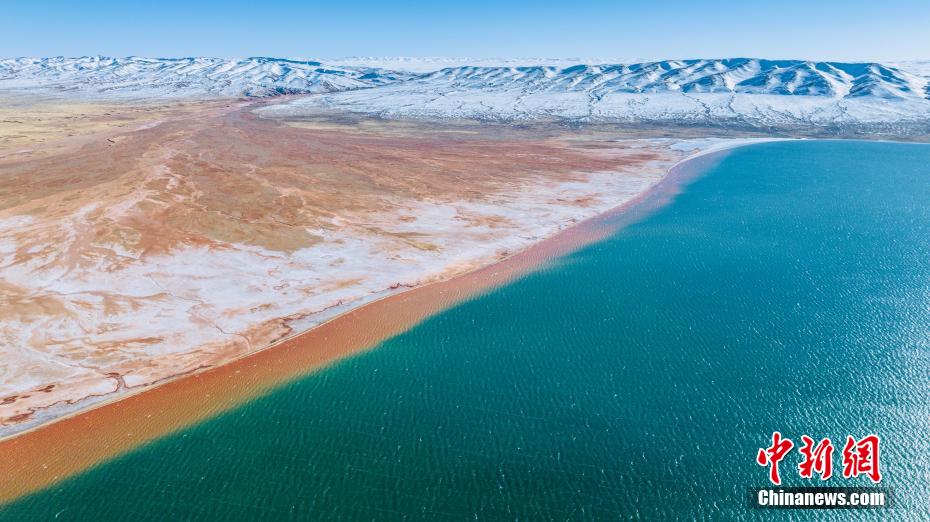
52 452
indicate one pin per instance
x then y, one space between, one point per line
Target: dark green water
787 289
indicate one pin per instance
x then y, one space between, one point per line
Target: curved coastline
64 446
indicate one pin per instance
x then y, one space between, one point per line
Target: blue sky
813 29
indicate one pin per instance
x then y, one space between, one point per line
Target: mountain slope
170 77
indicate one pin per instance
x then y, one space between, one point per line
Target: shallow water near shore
785 289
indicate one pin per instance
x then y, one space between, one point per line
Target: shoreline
114 426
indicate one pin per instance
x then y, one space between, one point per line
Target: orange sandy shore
53 452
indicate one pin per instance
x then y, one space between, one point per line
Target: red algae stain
53 452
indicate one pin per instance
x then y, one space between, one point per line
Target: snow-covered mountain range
186 77
740 91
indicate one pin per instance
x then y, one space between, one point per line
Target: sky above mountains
620 30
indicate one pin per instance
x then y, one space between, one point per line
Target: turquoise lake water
788 288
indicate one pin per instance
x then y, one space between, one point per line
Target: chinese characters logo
859 457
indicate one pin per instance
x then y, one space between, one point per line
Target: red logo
860 457
772 455
819 459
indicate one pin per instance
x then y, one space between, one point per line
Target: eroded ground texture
141 242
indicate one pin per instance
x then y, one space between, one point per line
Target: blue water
787 288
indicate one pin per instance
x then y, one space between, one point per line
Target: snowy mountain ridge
741 91
180 77
762 95
261 76
739 75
